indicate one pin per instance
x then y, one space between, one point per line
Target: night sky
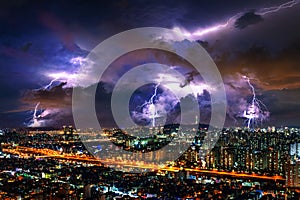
42 40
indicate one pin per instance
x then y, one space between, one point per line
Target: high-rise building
293 174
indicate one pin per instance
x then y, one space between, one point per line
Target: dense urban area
68 164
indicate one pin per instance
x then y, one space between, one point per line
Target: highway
48 153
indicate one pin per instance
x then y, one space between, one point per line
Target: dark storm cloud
274 70
247 19
285 106
56 97
189 77
135 58
276 32
40 37
262 66
274 75
54 105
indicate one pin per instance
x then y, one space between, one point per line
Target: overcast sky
40 38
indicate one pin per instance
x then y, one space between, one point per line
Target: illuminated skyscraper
293 174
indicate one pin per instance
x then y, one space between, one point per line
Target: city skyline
257 164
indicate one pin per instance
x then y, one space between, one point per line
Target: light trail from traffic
48 153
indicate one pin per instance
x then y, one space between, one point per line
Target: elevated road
48 153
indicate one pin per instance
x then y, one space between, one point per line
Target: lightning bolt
204 31
265 11
35 121
49 85
216 27
256 107
150 105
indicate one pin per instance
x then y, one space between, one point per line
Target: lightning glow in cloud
62 76
78 60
